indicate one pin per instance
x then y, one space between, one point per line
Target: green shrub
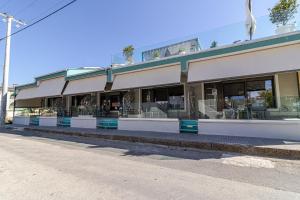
283 12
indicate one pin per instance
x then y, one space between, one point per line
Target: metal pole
6 71
9 20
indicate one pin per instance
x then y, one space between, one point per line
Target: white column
277 90
140 101
98 99
186 92
202 98
46 102
298 77
6 70
68 103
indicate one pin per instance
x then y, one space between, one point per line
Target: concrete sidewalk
245 145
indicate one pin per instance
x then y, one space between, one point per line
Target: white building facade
245 89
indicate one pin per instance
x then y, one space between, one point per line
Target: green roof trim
51 75
86 75
29 85
245 46
39 78
183 60
14 94
109 78
79 71
75 74
184 66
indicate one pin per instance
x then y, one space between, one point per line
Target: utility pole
9 19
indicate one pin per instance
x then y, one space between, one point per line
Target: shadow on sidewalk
127 148
237 145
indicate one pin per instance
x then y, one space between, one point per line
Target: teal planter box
64 121
34 121
189 126
107 123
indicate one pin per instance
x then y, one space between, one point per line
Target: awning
45 88
147 77
27 93
277 59
93 84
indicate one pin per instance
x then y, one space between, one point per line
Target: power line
38 21
46 11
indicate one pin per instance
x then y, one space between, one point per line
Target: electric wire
41 19
46 11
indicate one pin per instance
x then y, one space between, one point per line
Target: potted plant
156 55
214 44
282 14
128 54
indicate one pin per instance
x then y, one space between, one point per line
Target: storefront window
170 97
234 96
83 104
242 99
81 100
176 98
260 94
115 103
111 102
54 102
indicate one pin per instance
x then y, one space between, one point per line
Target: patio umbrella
250 20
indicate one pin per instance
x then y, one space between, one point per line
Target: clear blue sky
90 31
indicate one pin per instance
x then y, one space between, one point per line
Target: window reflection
170 98
243 99
260 94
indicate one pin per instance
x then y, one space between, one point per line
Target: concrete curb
235 148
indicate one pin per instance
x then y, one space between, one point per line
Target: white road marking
247 161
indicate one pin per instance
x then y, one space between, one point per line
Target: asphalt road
38 167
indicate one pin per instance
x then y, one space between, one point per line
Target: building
10 103
250 88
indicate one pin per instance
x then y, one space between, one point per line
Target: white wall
83 122
154 125
288 130
48 121
20 120
270 60
288 84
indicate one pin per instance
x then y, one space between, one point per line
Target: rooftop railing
219 37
